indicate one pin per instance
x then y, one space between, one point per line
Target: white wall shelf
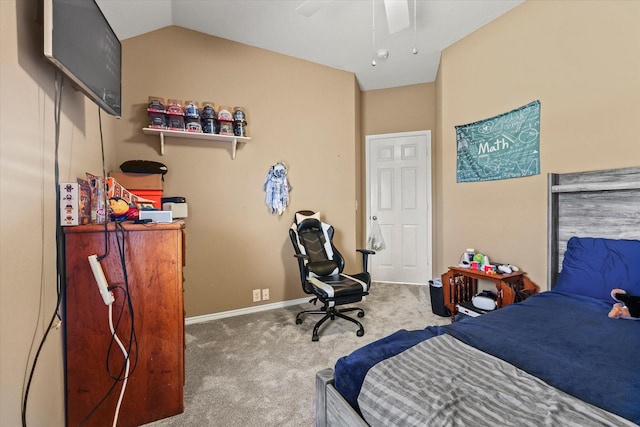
196 135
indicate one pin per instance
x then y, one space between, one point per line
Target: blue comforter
564 339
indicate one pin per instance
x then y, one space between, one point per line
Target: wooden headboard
604 203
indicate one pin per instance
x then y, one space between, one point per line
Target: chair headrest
302 215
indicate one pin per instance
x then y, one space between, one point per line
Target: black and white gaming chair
321 266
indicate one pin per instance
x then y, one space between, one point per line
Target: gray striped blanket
444 382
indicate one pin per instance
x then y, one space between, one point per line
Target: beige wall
401 109
581 59
301 113
298 112
27 210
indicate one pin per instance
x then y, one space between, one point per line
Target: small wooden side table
461 284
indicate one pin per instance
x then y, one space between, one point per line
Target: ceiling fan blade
310 7
397 14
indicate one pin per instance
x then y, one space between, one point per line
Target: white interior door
399 195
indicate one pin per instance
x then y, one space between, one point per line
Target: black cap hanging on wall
144 166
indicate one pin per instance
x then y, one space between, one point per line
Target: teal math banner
502 147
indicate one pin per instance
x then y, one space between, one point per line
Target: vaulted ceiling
335 33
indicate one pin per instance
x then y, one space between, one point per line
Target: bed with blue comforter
554 359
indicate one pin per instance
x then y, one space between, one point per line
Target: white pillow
300 217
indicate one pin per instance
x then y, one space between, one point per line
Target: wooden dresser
153 256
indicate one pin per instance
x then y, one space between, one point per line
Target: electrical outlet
256 295
265 294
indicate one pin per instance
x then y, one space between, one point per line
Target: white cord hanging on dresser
277 188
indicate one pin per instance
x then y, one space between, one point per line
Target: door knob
375 218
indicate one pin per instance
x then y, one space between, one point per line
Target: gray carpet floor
259 369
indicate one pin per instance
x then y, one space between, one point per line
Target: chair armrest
366 251
365 258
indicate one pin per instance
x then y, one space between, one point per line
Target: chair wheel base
331 313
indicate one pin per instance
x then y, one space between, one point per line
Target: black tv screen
81 43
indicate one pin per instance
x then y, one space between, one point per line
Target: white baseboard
264 307
399 283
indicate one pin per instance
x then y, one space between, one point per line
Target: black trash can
437 298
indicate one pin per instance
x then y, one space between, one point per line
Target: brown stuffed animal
627 307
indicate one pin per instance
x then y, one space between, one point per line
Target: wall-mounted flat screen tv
81 43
